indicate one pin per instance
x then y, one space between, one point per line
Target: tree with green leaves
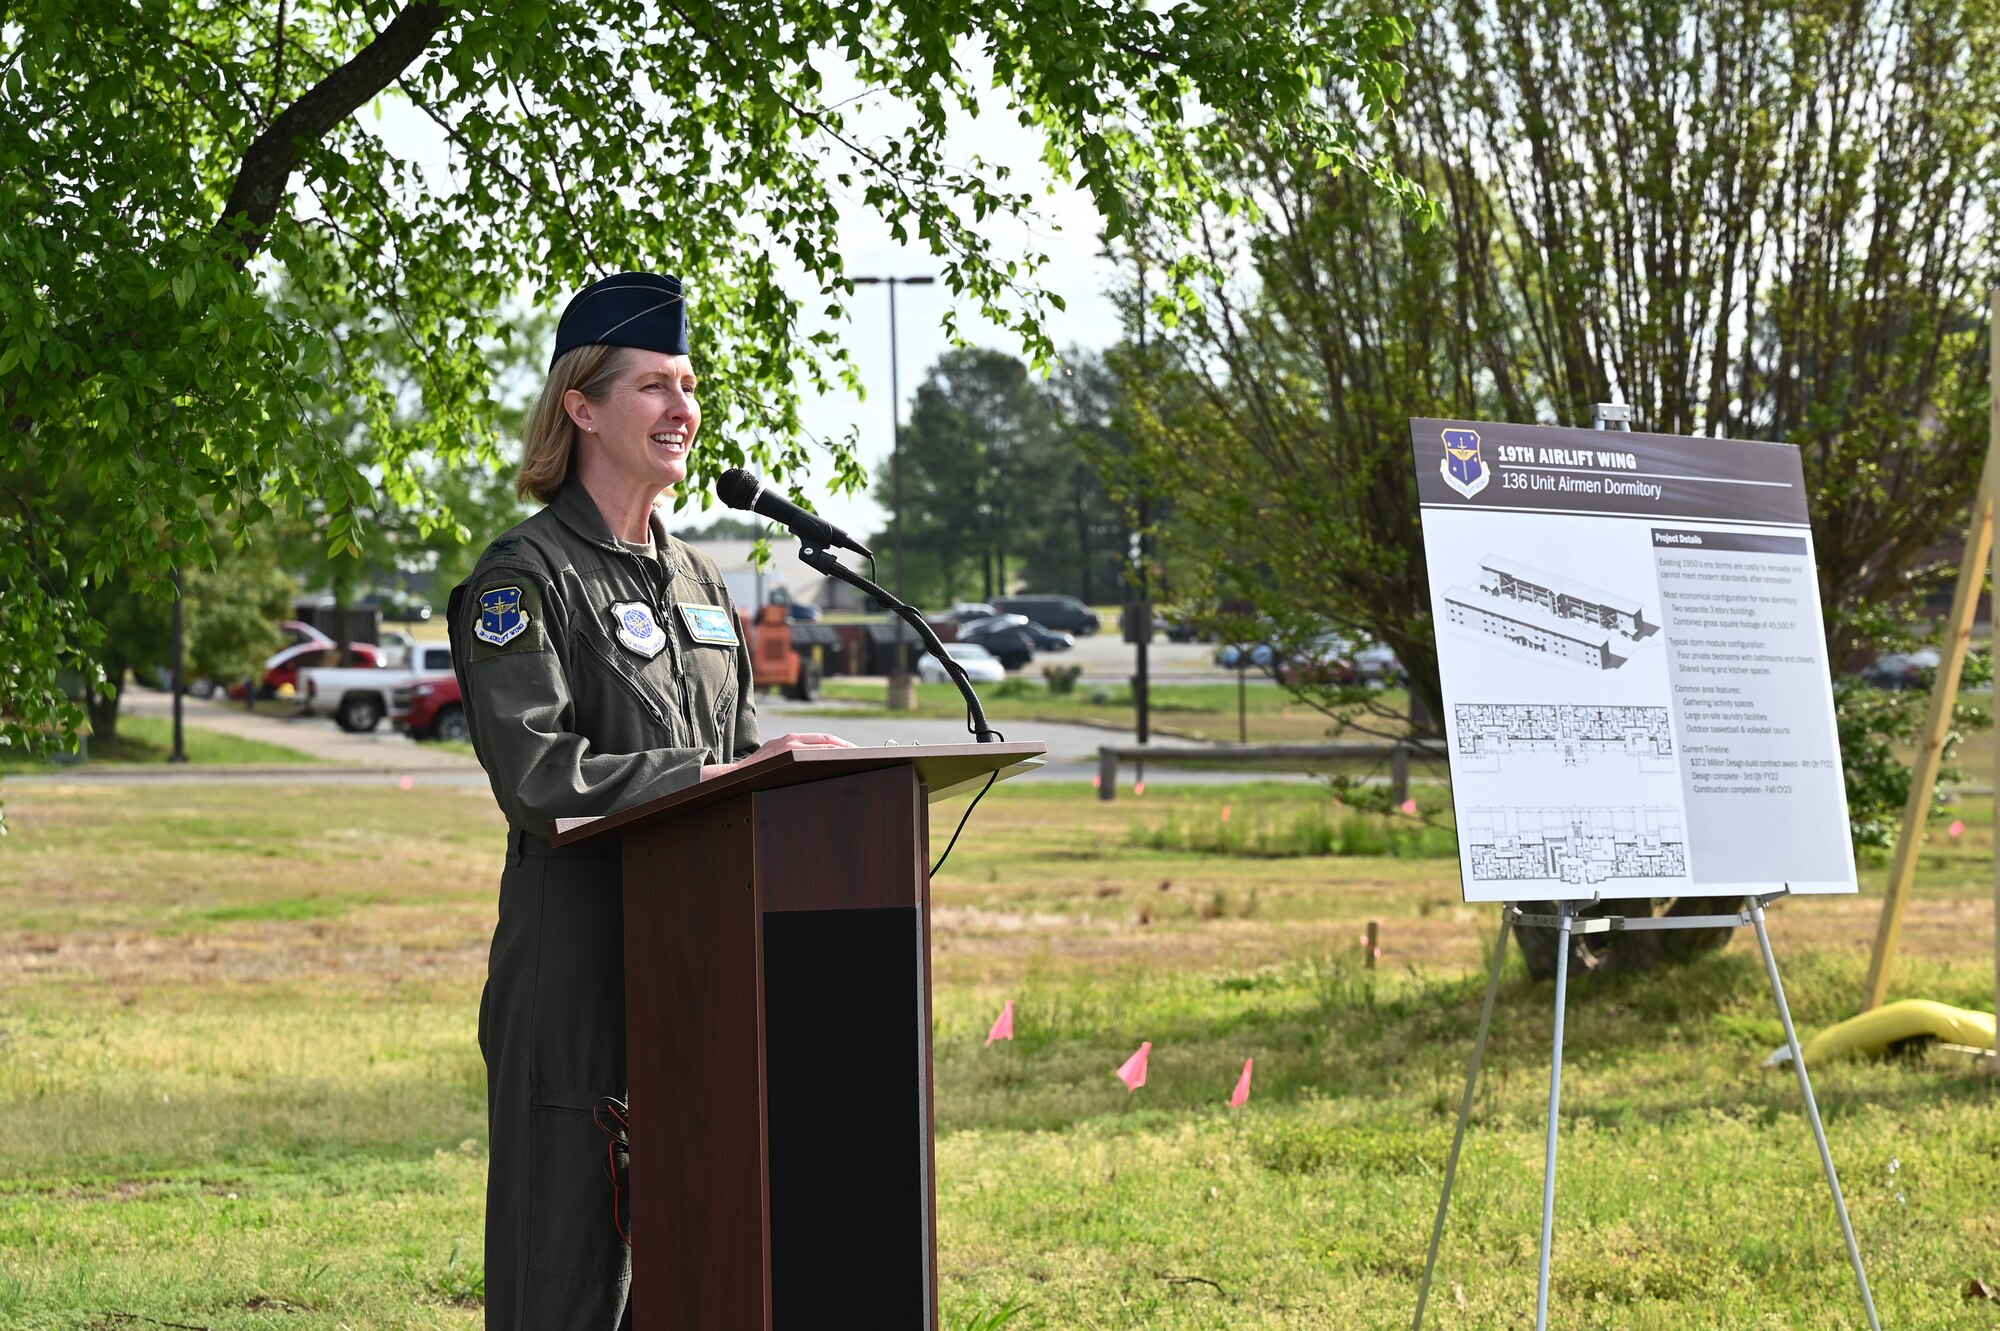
978 458
230 610
202 235
1743 221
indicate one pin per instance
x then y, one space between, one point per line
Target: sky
1066 229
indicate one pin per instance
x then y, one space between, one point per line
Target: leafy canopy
1746 221
202 242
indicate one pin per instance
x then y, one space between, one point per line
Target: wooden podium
778 1038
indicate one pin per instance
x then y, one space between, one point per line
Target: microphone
747 490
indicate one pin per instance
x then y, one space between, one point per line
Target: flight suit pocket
572 1224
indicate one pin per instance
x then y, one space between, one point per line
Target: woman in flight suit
601 668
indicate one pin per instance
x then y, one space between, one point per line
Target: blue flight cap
641 310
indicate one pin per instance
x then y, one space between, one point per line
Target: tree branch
268 164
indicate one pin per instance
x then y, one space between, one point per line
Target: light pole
901 696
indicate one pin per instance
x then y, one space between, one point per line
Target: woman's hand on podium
805 739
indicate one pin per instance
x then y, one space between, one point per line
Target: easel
1972 571
1567 924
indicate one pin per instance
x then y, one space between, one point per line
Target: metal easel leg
1564 914
1464 1111
1812 1109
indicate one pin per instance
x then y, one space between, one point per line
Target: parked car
1047 639
358 697
298 633
800 612
1057 612
981 666
967 611
1902 670
1378 667
429 708
1250 655
398 606
281 672
1044 639
1007 640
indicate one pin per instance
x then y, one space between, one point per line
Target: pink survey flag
1003 1025
1133 1073
1241 1096
1409 806
1957 828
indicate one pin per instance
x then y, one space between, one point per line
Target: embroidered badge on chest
638 631
708 623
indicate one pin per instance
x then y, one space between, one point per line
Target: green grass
239 1083
1311 831
150 739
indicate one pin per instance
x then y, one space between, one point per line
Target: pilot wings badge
1463 469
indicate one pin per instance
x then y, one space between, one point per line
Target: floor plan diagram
1574 846
1578 732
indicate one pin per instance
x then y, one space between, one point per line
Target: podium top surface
944 768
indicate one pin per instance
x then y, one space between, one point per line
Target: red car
430 708
281 672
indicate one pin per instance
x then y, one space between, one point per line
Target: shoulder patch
506 616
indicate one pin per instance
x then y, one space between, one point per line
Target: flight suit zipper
663 581
652 707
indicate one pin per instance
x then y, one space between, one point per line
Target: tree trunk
103 710
1083 536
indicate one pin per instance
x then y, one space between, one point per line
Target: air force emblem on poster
638 631
1462 468
501 618
709 623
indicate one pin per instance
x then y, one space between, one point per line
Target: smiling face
642 430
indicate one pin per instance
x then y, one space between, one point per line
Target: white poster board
1636 694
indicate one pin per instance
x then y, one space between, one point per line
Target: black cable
991 777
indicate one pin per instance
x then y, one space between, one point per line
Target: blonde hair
551 443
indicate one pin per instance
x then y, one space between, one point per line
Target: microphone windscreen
738 488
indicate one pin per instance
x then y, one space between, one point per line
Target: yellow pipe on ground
1879 1031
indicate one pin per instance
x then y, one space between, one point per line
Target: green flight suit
594 678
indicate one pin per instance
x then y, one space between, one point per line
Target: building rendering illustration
1538 611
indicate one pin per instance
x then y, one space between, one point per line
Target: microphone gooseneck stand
817 557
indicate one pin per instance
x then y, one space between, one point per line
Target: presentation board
1636 694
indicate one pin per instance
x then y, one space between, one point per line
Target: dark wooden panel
849 843
694 1019
929 1063
848 1104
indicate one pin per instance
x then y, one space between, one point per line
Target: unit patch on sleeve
507 617
708 623
638 631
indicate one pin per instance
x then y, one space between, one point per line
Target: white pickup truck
357 697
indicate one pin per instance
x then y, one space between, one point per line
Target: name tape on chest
708 623
637 630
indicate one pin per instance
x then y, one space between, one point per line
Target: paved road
387 758
317 737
